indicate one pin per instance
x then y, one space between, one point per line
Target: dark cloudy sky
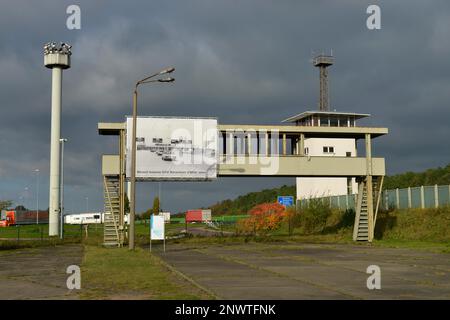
241 61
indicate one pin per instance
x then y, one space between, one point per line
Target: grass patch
343 237
430 225
123 274
22 244
437 247
38 232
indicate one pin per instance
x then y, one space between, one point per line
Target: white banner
157 227
173 148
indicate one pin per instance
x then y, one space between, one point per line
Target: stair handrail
358 209
111 209
380 189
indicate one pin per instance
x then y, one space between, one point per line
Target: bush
414 224
263 218
291 219
313 217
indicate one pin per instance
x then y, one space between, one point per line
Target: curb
188 279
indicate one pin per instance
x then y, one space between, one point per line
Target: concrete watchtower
57 58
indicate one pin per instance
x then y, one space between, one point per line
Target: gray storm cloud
241 61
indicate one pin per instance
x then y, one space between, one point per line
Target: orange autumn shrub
263 218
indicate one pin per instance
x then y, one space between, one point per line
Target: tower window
328 149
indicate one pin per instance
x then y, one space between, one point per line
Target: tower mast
323 62
57 58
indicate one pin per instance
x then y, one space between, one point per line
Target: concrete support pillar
302 144
386 200
397 198
409 198
266 137
436 196
122 178
231 144
422 197
294 145
284 144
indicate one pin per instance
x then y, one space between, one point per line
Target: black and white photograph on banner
174 148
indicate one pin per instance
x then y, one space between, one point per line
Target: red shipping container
194 216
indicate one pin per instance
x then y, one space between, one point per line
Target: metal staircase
366 210
112 235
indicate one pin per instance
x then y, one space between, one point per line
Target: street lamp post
62 141
133 149
37 195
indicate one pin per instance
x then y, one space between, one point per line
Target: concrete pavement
38 273
311 271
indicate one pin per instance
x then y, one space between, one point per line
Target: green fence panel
444 195
415 197
403 198
429 196
383 200
176 220
342 202
391 199
352 201
334 202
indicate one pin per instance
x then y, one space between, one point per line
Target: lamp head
166 80
168 70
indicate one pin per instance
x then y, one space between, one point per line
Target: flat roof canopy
309 131
110 128
113 128
325 113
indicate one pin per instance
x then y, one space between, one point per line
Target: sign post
157 230
287 201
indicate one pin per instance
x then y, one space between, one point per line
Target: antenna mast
323 62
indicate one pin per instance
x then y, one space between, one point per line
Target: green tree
4 204
156 205
440 176
146 215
